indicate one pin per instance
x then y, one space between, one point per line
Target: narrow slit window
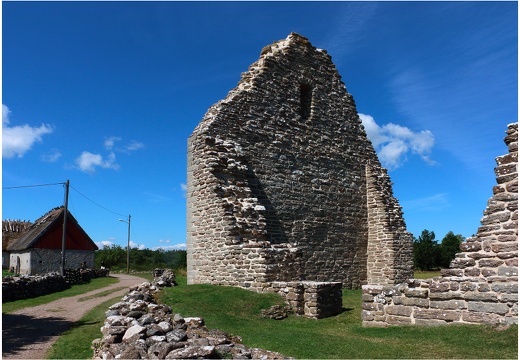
305 101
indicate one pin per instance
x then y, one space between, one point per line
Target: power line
29 186
64 183
92 201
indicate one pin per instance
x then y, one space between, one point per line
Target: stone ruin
481 285
285 187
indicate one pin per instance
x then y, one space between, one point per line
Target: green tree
450 245
111 257
426 251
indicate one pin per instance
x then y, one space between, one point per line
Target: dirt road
28 333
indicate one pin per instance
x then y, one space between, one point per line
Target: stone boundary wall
139 328
25 287
312 299
481 286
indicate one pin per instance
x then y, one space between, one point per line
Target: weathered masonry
284 185
481 285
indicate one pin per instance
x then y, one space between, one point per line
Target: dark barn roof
37 231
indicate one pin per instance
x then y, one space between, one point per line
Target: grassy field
237 312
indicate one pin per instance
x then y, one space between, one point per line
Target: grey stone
192 352
176 335
133 333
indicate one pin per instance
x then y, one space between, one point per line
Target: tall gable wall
283 184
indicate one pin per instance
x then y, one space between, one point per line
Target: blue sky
105 94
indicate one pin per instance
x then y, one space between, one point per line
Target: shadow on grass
346 309
20 331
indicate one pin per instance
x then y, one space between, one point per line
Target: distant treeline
114 258
428 254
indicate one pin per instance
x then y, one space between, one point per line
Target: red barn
38 249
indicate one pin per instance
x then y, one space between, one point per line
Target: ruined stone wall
481 285
311 299
278 182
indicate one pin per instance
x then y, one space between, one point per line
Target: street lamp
128 245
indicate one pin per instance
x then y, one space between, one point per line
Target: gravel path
28 333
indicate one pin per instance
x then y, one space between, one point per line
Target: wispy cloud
393 142
435 202
348 28
184 189
156 198
110 142
134 145
17 140
444 90
51 157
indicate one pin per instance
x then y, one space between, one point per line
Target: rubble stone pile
139 328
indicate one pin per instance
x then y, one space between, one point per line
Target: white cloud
393 142
51 157
136 245
164 241
17 140
184 189
134 145
171 247
110 142
87 162
102 244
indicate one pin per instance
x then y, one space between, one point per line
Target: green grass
237 312
6 272
75 343
73 291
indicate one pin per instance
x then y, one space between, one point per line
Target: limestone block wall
284 185
481 285
312 299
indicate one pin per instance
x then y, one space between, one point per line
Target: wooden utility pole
64 234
